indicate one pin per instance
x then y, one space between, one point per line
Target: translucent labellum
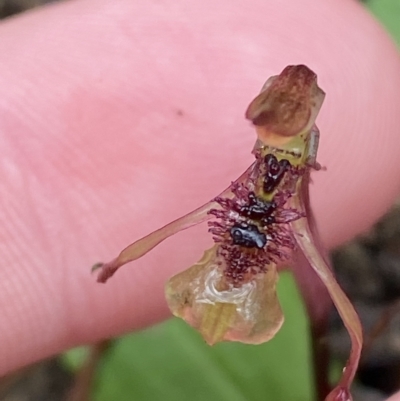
221 311
259 222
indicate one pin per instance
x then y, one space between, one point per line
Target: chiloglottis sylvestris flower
257 224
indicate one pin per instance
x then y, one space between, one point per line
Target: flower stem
345 308
318 304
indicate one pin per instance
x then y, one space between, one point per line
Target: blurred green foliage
388 12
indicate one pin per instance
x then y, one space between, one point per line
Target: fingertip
96 153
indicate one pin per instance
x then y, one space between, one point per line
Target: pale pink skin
95 153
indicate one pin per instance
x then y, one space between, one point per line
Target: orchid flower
260 223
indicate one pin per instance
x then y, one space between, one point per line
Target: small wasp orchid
257 224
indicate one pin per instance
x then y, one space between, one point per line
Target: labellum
260 222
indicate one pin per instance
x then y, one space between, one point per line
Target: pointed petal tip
105 270
96 266
339 393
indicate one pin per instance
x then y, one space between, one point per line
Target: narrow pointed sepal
309 243
144 245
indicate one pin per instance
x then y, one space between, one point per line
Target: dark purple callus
250 231
256 209
274 172
248 236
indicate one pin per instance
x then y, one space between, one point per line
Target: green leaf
388 12
74 358
172 362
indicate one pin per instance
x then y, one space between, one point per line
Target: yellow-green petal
220 312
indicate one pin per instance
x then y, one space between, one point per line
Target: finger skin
116 117
395 397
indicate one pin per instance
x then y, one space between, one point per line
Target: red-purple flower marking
253 232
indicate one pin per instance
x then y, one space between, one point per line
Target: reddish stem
318 304
309 243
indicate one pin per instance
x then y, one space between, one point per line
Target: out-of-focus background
171 361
